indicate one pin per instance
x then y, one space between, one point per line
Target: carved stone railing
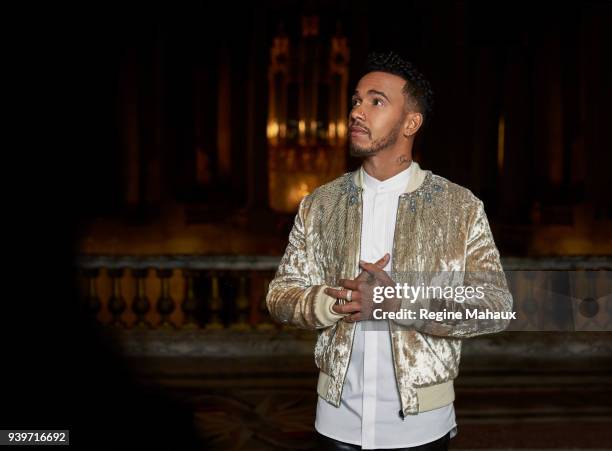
214 293
178 292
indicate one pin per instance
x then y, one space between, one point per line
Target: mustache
360 125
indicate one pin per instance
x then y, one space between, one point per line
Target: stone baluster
242 306
165 303
141 305
93 300
589 305
264 323
116 303
214 304
529 307
555 305
605 287
190 303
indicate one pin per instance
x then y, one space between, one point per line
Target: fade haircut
417 89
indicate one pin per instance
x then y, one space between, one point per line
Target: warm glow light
273 129
297 192
332 130
341 129
305 143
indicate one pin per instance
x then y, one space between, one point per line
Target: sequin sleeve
292 297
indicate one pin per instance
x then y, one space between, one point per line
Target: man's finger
370 268
351 307
381 263
335 293
352 318
350 284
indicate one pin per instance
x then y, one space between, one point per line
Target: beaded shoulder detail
350 188
428 188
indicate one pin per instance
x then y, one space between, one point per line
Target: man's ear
412 123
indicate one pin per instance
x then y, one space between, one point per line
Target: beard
378 144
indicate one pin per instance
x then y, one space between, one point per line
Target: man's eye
354 102
377 102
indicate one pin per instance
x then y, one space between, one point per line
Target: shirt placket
376 240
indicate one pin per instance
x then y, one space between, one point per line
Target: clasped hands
359 292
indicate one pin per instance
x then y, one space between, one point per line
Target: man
388 383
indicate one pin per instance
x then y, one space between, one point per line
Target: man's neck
383 170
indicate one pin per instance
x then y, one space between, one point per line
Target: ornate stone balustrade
228 292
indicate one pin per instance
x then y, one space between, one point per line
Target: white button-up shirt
369 409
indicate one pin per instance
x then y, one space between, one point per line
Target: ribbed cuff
323 308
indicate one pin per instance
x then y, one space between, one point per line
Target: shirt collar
396 183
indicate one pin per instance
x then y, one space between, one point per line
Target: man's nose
357 114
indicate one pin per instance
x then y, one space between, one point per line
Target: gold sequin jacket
440 228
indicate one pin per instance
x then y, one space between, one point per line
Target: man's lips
356 130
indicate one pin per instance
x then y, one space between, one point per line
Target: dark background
533 61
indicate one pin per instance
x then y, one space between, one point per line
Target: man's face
377 115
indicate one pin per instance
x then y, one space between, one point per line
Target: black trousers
325 443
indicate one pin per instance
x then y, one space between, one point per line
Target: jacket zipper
354 275
399 392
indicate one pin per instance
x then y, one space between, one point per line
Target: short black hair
417 87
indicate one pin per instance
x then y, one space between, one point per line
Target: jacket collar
415 179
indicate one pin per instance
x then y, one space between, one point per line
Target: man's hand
361 290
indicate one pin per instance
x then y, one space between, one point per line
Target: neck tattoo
403 159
